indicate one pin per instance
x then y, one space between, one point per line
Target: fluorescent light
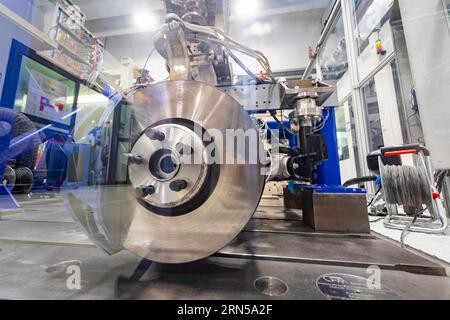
246 8
260 29
88 99
144 21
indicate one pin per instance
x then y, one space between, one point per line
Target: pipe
324 36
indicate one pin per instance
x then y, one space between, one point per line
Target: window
347 142
373 116
333 58
370 16
447 12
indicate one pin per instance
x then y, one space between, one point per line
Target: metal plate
350 287
198 234
272 287
256 97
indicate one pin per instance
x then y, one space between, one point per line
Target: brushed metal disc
221 217
270 286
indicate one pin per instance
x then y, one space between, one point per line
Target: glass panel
347 142
370 16
333 57
384 108
43 94
90 108
373 116
447 12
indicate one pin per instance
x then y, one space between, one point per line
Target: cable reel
412 187
407 186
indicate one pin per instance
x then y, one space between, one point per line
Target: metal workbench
38 241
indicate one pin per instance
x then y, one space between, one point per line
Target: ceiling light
260 29
144 21
246 8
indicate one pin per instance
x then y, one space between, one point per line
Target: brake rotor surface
175 211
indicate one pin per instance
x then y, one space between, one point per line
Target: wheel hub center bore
174 166
164 164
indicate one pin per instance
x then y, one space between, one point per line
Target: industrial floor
39 241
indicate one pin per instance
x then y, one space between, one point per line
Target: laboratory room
224 150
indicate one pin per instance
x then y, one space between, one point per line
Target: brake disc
182 204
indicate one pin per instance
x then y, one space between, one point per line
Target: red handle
399 153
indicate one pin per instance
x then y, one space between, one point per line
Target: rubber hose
358 181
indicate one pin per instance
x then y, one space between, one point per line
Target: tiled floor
437 246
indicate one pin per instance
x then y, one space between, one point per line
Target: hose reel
407 186
413 188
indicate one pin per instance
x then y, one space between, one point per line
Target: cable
408 226
282 125
375 196
360 180
440 179
216 35
321 124
146 61
243 67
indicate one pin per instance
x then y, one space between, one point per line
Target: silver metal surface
37 245
124 222
256 97
279 168
303 89
328 212
307 108
272 287
185 169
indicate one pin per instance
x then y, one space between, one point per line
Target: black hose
358 181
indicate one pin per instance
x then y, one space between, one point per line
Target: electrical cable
322 123
375 196
147 61
216 35
243 66
282 125
357 181
408 226
440 179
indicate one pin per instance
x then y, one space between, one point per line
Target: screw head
178 185
155 134
144 191
132 159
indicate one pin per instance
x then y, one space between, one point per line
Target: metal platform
37 239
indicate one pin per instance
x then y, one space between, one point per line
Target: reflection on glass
373 115
91 106
447 12
370 16
348 146
44 95
343 135
333 58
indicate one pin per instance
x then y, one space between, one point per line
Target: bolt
178 185
155 134
132 159
184 149
144 191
